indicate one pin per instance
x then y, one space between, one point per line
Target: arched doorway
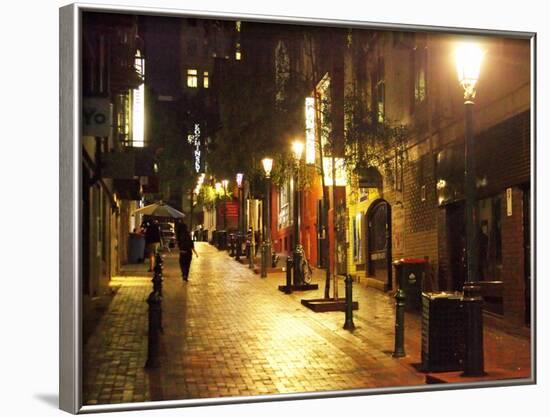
379 256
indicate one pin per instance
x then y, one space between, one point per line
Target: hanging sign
196 142
96 117
310 130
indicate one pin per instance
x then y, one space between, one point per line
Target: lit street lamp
266 247
297 150
468 63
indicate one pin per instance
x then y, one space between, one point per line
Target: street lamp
468 63
266 247
239 179
297 150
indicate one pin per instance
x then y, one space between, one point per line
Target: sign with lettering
195 140
310 131
508 202
96 117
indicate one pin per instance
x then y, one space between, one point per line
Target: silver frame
70 308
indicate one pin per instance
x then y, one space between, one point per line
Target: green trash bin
443 343
410 273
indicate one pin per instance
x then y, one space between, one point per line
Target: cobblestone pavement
228 332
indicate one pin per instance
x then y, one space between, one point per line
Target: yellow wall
354 207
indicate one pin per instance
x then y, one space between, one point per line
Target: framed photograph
257 208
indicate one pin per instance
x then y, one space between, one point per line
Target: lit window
238 55
238 25
379 92
205 81
192 78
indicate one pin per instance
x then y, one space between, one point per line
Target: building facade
115 161
397 120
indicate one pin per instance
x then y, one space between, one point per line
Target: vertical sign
509 201
310 130
138 107
197 145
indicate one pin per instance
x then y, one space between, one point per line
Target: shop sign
96 117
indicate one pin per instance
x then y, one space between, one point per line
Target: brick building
409 203
419 206
115 160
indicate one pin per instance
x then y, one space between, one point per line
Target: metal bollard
153 340
263 266
349 325
157 282
157 274
239 251
288 287
232 246
251 255
399 351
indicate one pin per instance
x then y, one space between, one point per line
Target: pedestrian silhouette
187 248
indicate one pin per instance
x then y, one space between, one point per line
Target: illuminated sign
310 130
197 145
340 169
138 107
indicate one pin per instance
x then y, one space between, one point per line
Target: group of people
186 245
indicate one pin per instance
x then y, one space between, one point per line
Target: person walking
152 241
187 248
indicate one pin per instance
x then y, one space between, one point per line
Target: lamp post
297 150
224 187
468 63
239 179
266 247
218 189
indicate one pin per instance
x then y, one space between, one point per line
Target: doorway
379 256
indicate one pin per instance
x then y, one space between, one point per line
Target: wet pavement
228 332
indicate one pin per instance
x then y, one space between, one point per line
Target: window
238 55
381 102
192 78
490 239
205 80
379 91
420 58
419 62
357 238
284 206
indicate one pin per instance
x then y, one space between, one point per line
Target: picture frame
71 258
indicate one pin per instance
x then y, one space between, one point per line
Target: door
379 243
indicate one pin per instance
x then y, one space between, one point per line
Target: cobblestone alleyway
228 332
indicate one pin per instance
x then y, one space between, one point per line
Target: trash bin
410 273
136 248
442 332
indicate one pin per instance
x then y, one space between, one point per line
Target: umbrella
160 210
